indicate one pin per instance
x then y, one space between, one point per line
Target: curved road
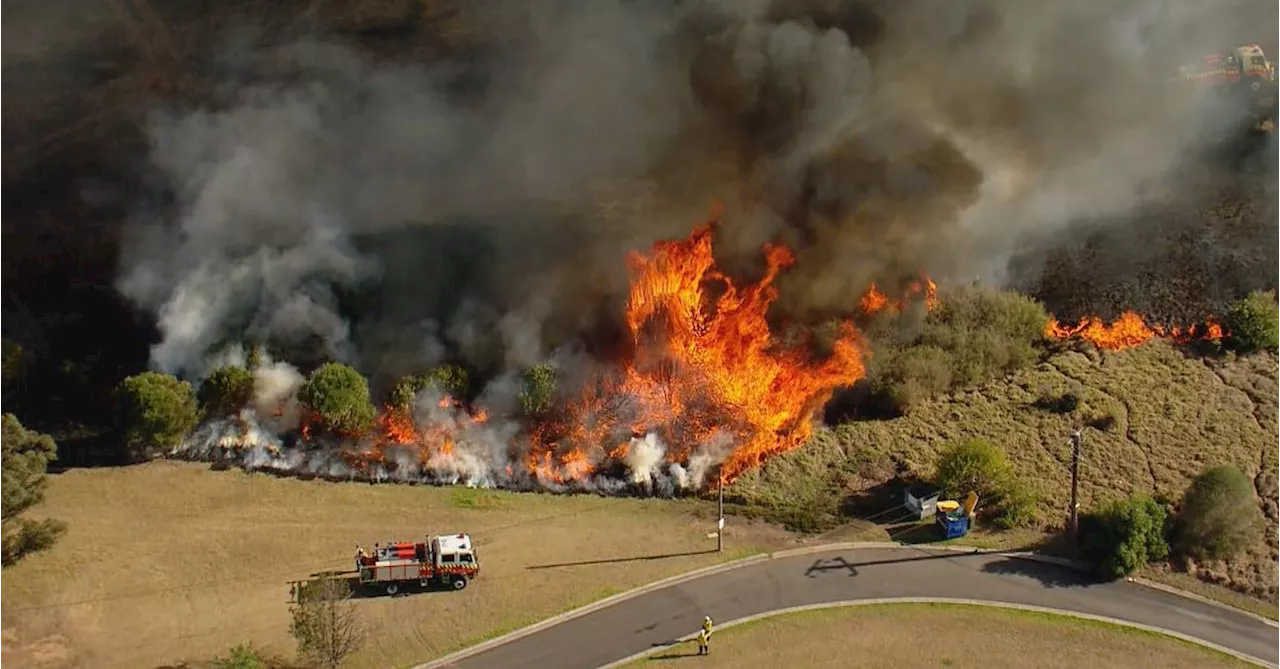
661 616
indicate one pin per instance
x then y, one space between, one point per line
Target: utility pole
1077 441
720 522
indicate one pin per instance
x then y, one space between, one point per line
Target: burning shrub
154 412
448 379
1219 516
26 456
1254 323
1124 535
226 391
339 396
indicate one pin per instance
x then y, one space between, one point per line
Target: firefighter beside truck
447 560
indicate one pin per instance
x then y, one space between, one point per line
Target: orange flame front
1130 330
874 301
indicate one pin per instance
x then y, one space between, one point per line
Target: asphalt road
661 616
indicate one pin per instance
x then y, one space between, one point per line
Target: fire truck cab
446 560
1254 67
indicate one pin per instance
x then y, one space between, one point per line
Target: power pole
720 522
1077 441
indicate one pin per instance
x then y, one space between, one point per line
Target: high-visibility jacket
703 637
708 627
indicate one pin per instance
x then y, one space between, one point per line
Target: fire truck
1244 74
447 560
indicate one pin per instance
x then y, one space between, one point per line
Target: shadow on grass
638 558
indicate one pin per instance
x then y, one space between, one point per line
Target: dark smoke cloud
395 215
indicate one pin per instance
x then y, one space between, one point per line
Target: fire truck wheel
393 588
458 582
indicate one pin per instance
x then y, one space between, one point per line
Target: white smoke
480 446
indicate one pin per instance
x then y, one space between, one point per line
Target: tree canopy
154 411
1254 323
339 396
226 391
26 457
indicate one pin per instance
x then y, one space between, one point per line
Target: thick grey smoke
394 215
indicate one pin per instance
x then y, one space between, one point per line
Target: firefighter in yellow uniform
707 626
704 642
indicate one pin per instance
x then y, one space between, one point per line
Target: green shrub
975 334
978 466
226 391
973 465
538 391
914 374
1253 323
241 657
1019 506
339 396
154 412
1219 516
1122 536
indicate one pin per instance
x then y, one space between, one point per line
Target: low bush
1124 535
978 466
975 335
1253 323
1219 517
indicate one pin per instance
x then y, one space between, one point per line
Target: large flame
1130 330
704 376
703 368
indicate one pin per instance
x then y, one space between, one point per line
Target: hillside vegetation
1156 417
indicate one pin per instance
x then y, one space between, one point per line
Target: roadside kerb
448 660
1148 583
949 600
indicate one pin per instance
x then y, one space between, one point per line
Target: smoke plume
397 214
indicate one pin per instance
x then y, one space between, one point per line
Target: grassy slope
1173 415
170 561
957 636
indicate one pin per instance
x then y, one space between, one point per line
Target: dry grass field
171 562
938 635
1172 416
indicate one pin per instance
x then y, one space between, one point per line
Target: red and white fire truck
447 560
